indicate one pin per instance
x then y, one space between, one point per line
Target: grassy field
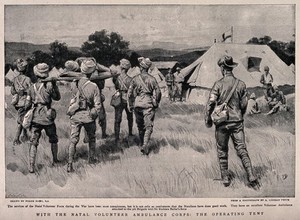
183 162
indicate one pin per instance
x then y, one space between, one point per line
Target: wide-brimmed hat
145 63
140 59
71 65
41 70
227 61
21 64
125 64
88 66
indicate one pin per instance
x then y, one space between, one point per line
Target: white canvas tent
292 67
251 59
54 72
11 74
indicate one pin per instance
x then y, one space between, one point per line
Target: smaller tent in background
61 70
54 72
11 74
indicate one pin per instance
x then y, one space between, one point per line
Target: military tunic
40 96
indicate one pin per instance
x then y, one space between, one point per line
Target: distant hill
158 52
162 45
185 57
15 50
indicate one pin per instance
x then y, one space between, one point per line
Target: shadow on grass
259 172
15 167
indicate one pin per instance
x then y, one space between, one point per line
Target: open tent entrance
252 64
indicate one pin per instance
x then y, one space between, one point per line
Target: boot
223 162
70 168
141 135
104 135
225 178
253 182
32 156
117 131
72 150
92 152
86 137
130 125
24 137
17 137
145 148
130 130
54 150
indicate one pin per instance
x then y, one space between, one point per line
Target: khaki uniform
252 107
19 90
277 102
85 116
178 79
267 80
40 96
170 84
144 108
122 83
233 127
102 113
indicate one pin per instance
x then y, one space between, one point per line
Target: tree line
109 47
284 50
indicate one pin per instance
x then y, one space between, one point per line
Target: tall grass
183 162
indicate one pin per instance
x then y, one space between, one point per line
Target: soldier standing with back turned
170 83
19 88
40 96
233 127
83 110
145 92
122 83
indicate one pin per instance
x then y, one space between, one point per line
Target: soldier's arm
243 99
213 97
157 91
130 95
53 91
130 90
97 101
262 80
102 68
28 101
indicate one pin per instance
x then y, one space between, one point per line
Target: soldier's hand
208 122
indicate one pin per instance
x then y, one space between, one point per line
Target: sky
193 25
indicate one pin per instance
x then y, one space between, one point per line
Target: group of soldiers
174 82
139 95
33 101
275 98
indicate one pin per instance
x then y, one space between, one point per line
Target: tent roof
54 72
205 71
11 74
